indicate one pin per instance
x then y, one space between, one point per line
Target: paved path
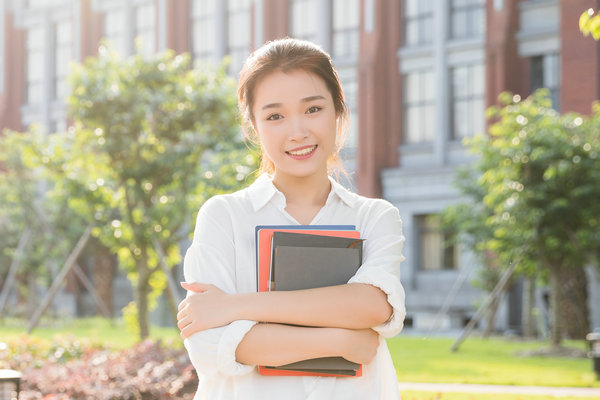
497 389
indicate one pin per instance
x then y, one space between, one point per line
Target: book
305 257
302 259
264 236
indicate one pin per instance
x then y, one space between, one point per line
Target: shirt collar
342 193
262 191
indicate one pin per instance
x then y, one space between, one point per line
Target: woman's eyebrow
304 100
311 98
271 105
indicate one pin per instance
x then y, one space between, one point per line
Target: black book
305 261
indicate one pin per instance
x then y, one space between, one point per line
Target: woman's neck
310 191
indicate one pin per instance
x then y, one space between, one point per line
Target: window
114 25
346 25
37 4
62 58
145 21
58 125
468 104
304 19
345 48
418 22
545 73
467 19
238 38
418 101
35 65
436 250
203 29
349 81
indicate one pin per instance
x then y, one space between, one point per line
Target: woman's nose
298 129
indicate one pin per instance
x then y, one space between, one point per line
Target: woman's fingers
183 311
203 308
183 321
188 330
196 286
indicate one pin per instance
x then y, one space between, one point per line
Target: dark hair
287 55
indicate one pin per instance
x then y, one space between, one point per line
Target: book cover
303 256
264 235
342 263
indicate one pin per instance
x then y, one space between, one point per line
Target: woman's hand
360 345
208 307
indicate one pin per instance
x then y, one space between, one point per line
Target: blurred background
417 74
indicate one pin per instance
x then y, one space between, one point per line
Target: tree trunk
33 299
103 275
574 305
491 317
142 291
555 302
528 305
172 303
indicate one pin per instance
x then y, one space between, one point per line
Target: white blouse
223 253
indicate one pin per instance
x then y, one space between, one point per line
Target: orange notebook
331 366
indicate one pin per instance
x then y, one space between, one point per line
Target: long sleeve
210 259
381 262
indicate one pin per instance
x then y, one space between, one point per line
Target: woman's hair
287 55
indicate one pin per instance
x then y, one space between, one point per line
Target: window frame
307 7
423 19
238 52
470 99
544 72
474 25
345 30
447 257
423 105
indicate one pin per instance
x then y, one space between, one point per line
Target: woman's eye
274 117
313 109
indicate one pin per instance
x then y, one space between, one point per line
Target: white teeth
302 152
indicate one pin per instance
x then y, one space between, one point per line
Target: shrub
72 371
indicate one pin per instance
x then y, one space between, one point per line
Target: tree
539 173
27 205
590 24
469 221
142 155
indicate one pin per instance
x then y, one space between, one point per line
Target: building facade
417 74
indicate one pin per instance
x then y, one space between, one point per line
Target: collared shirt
223 253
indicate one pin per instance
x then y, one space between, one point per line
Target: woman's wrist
340 341
240 306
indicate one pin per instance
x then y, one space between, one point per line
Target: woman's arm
275 344
350 306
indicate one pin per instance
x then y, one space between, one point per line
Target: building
418 75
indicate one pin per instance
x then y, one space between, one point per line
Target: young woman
290 96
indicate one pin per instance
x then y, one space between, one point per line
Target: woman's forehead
294 85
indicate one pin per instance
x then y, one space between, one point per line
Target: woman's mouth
302 153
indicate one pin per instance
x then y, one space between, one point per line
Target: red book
319 257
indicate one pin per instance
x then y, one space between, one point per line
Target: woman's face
295 119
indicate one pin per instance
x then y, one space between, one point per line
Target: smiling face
295 119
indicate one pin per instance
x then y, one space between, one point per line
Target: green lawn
98 332
410 395
492 361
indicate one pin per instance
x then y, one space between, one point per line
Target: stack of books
303 257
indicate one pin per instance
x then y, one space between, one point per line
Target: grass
416 359
98 332
416 395
487 361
